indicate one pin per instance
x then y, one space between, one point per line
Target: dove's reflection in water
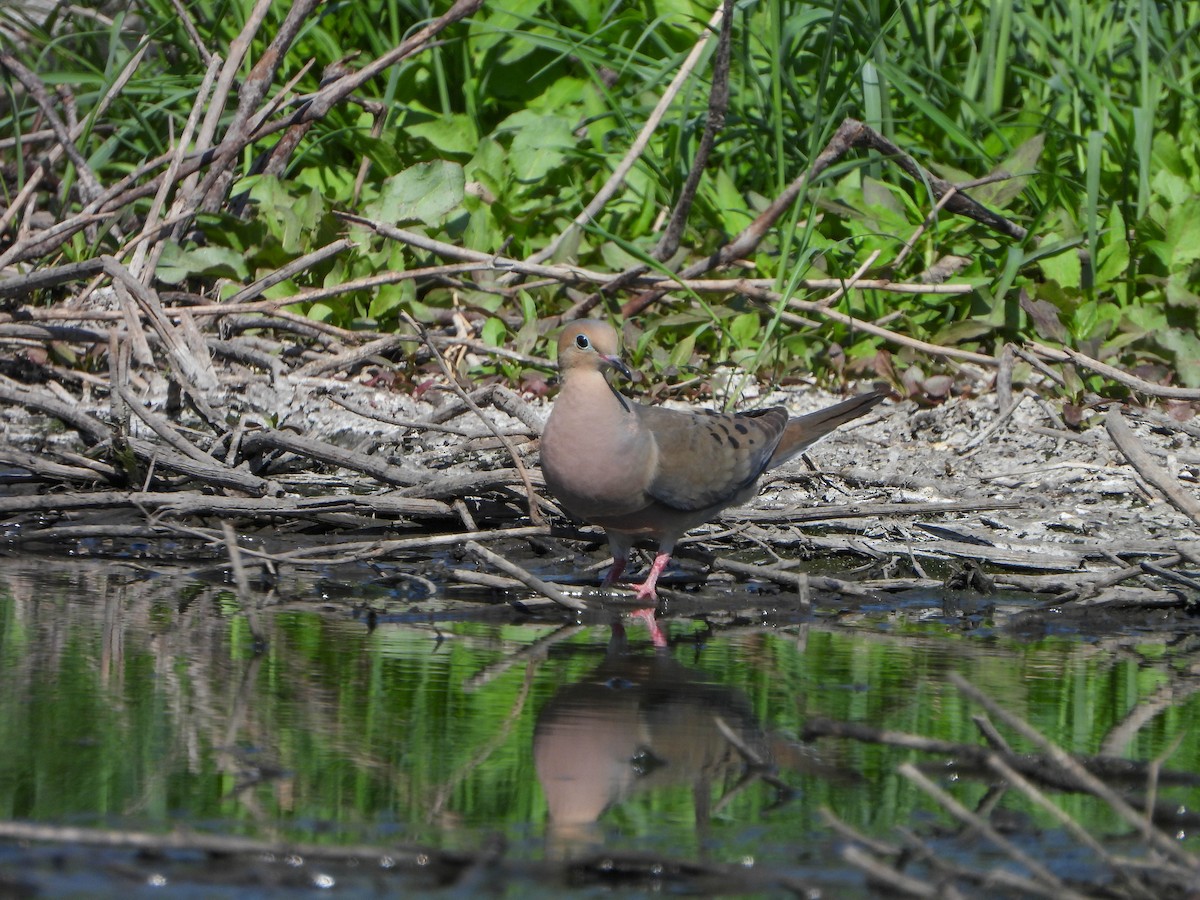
639 722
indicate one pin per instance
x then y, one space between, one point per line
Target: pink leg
656 635
618 568
646 590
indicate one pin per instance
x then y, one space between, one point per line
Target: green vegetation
495 136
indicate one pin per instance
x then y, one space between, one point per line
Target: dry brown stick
1129 445
347 359
212 189
930 218
35 178
668 242
145 257
161 426
771 298
190 27
986 881
1177 577
222 844
356 550
413 424
314 107
19 332
513 404
579 276
1071 767
535 515
851 133
196 503
421 424
1070 586
859 510
132 188
1006 413
195 372
255 442
1066 354
208 472
567 274
93 430
28 139
274 159
738 285
230 67
291 269
718 103
1128 598
43 468
785 577
89 184
526 578
39 279
321 102
959 202
137 338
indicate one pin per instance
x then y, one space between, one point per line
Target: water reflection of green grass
120 703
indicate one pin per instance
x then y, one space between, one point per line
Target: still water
145 702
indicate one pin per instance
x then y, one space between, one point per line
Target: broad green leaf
539 145
494 331
681 353
177 264
454 134
1063 267
425 192
1114 256
390 297
1021 164
1183 234
1186 347
744 329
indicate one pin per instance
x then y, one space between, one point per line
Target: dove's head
589 345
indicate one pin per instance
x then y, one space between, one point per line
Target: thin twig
535 515
526 578
614 182
1127 442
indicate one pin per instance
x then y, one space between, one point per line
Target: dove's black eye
582 342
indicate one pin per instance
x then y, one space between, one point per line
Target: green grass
525 110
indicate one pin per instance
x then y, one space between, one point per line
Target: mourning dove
644 471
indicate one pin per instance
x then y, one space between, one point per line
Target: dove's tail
804 431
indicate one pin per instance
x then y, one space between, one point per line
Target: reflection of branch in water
1172 872
1166 697
534 651
442 795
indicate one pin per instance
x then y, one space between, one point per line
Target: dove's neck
591 395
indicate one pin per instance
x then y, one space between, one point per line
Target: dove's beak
615 362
